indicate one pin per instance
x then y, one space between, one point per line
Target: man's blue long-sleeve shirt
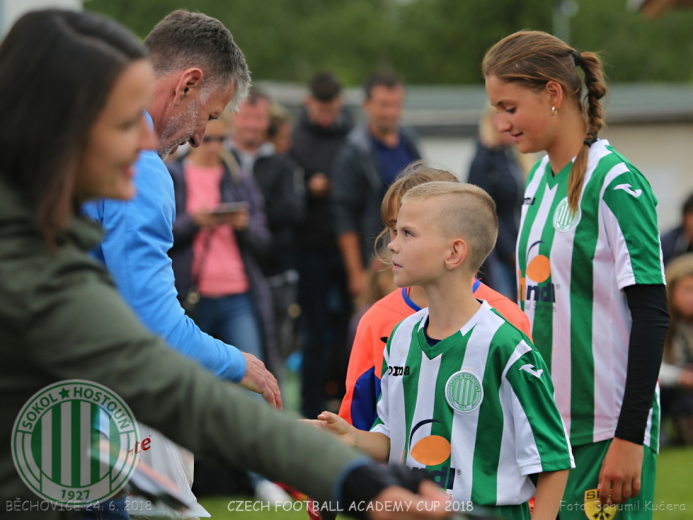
139 234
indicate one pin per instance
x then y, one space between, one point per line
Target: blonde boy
464 394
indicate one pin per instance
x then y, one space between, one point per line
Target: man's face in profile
189 123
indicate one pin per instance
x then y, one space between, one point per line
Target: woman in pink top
218 253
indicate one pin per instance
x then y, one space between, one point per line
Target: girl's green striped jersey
572 268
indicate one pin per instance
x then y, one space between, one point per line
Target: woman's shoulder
606 162
610 173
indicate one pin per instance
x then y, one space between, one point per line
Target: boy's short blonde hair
463 211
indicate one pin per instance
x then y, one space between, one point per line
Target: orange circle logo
431 450
539 269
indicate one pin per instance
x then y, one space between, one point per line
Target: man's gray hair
184 39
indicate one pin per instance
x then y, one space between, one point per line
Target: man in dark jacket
282 187
679 240
375 152
322 292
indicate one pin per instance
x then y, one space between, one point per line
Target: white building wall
453 153
662 152
11 10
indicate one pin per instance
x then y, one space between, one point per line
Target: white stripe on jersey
528 458
535 235
561 362
648 428
465 436
624 273
609 364
392 395
425 401
507 489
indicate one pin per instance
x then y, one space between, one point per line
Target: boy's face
419 247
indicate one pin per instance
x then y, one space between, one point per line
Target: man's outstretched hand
429 504
395 489
259 380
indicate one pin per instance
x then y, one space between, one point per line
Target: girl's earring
553 111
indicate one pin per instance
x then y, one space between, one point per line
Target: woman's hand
240 220
619 478
204 218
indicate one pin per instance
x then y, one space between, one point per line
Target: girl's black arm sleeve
648 308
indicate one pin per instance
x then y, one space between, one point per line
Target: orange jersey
375 327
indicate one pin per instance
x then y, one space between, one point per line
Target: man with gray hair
200 71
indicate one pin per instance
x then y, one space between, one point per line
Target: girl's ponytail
594 113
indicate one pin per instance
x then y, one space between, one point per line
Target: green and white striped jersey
572 269
476 410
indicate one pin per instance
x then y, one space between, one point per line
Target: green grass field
674 489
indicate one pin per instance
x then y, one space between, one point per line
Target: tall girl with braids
589 270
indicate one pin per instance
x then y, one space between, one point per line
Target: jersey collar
410 302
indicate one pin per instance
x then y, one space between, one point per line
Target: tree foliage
425 41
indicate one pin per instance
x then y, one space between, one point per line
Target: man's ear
188 86
459 251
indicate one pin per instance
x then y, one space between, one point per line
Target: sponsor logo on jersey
463 391
594 510
532 370
629 190
529 201
564 219
538 271
433 450
398 371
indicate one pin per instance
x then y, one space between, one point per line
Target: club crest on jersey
593 508
565 220
463 391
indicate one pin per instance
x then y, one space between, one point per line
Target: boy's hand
621 471
334 424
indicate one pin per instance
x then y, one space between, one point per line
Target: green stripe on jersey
630 198
450 363
412 388
489 433
582 306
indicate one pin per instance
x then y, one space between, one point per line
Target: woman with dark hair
87 82
589 267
